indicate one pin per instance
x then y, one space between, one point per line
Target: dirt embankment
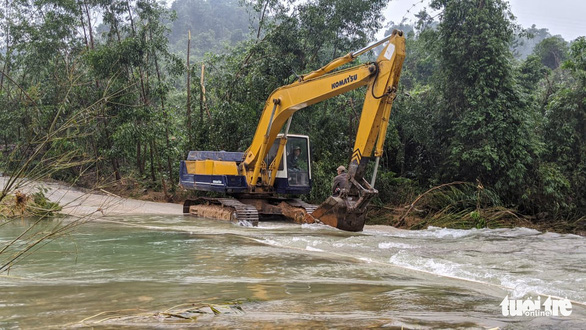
84 202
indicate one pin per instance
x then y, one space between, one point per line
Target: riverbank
81 202
129 198
405 217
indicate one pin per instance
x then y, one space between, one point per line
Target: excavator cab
294 171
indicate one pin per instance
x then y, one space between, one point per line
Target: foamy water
521 260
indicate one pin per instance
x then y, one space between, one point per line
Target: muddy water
125 271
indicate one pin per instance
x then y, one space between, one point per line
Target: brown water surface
137 271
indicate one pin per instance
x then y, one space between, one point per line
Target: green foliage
41 205
395 190
465 113
323 173
576 62
531 71
481 127
551 51
526 40
478 219
550 192
463 197
563 172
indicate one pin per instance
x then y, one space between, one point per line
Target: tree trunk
144 157
201 95
140 73
138 158
89 23
261 20
7 58
188 110
87 43
166 119
116 168
153 177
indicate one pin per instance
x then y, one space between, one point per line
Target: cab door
294 172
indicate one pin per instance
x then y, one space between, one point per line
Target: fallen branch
402 219
109 193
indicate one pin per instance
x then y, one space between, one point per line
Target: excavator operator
293 159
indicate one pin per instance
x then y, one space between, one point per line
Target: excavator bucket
341 213
346 211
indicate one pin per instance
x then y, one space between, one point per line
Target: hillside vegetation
95 93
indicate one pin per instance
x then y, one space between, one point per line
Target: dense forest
96 92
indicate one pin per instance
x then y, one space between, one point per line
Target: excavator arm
381 77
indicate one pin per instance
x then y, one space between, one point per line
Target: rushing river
138 271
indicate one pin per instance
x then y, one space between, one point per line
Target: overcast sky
563 17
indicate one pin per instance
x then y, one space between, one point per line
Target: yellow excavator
263 181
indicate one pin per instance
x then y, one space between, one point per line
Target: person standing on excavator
340 181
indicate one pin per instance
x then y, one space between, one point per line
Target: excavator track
222 208
309 208
248 211
242 212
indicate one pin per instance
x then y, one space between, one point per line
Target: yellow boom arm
382 78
